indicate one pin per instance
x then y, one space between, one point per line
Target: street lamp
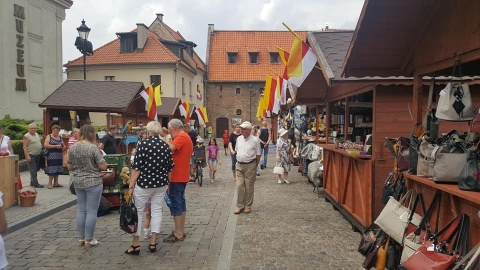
83 45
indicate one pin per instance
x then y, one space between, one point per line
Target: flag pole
289 29
274 72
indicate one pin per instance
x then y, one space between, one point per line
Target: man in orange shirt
182 148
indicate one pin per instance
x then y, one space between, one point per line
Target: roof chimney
160 16
142 35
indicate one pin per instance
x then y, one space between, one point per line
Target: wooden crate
9 174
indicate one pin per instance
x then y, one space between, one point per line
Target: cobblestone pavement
290 227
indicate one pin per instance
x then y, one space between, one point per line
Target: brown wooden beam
417 94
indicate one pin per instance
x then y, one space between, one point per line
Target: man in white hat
248 155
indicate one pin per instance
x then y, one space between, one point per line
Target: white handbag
393 219
455 103
278 170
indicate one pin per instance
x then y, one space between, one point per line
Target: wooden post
417 98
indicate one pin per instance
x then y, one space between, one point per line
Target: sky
191 18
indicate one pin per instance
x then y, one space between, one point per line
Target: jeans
88 200
176 193
141 196
33 168
265 156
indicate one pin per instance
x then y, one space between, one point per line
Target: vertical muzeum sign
19 14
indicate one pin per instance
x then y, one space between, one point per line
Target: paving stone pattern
290 227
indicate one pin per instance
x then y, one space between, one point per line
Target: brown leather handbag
109 177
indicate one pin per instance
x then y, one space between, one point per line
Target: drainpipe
175 80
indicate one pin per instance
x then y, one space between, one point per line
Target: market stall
411 32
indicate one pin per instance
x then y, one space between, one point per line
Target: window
232 57
237 91
253 57
155 80
183 86
190 89
238 112
109 78
128 42
274 58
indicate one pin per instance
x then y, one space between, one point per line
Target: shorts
234 161
213 160
176 193
225 146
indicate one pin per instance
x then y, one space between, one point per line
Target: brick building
237 65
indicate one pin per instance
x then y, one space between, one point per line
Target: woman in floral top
85 162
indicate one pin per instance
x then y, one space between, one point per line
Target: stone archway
221 125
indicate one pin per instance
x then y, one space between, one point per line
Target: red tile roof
154 52
246 41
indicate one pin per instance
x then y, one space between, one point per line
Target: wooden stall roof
169 107
394 38
94 96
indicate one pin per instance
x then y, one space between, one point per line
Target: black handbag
394 253
469 179
415 135
394 187
128 217
368 239
371 257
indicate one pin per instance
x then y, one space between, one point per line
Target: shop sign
19 14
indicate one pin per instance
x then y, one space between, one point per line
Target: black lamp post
83 45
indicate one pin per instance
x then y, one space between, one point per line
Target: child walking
212 150
225 138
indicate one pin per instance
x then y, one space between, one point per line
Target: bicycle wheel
199 174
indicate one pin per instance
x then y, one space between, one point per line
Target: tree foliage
16 128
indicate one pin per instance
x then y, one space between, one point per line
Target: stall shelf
347 182
112 193
9 174
454 201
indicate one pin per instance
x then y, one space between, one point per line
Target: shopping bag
455 103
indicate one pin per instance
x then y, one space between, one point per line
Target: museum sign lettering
20 81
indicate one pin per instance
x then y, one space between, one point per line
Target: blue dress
55 159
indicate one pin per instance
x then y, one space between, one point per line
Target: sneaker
261 166
38 186
279 181
258 173
286 181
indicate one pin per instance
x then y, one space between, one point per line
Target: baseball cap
246 125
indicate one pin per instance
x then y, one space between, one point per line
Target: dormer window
274 58
128 42
253 57
232 57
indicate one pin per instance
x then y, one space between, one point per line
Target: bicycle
199 171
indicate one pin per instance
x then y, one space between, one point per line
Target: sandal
135 250
50 187
81 242
152 250
172 238
91 243
57 185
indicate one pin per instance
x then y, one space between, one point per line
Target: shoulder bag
394 187
415 135
448 162
434 253
469 178
417 238
396 216
368 239
109 177
472 257
128 216
455 102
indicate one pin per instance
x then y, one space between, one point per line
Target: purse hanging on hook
455 101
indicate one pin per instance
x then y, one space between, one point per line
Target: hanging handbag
371 257
394 187
473 258
381 260
430 121
455 102
417 238
128 216
425 161
448 162
395 216
367 242
400 150
434 254
415 135
394 253
469 178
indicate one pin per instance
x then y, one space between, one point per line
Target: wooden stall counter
348 184
454 201
9 174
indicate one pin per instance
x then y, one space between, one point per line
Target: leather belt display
246 162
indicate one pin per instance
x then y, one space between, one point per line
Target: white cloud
191 18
